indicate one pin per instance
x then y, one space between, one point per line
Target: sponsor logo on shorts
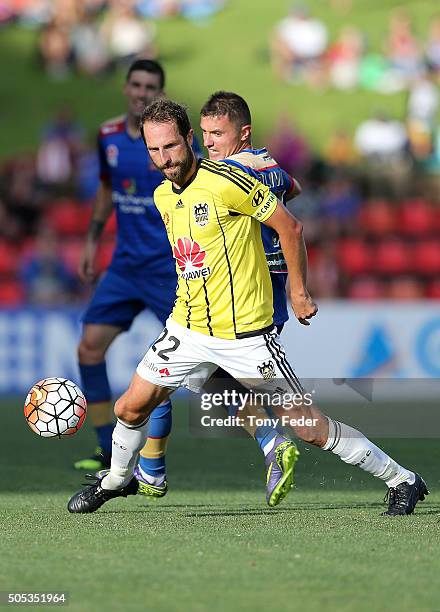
201 214
190 258
150 366
112 153
164 372
267 370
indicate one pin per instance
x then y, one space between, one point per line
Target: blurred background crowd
94 36
371 195
301 49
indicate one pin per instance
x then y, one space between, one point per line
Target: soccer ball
55 407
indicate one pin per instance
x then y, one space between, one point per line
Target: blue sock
104 433
159 427
96 388
94 382
264 435
153 467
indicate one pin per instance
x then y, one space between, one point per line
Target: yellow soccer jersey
212 222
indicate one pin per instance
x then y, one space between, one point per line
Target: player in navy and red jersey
141 273
258 163
227 135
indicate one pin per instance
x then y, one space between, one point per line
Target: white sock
153 480
354 448
127 441
269 446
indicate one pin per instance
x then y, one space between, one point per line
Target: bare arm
295 190
102 210
290 231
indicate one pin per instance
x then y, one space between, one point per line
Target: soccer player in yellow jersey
223 310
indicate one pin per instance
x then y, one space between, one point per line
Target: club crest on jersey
112 153
201 214
267 370
190 258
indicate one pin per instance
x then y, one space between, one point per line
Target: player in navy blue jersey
227 135
141 273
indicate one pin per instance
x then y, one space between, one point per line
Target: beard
178 171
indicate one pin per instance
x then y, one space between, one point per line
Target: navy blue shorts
118 299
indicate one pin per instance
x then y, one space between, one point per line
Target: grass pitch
212 543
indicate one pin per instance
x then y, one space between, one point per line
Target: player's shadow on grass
171 509
286 510
212 510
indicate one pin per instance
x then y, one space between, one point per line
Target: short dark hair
148 66
223 103
166 111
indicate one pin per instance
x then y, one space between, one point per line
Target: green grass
229 51
211 543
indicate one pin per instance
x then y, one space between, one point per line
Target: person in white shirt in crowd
298 45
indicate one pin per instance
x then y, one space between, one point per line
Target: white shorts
181 357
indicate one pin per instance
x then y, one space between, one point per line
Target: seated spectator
298 45
126 34
89 49
381 138
60 143
432 47
55 50
23 195
374 72
94 8
87 173
289 147
405 288
33 13
200 9
7 13
344 58
10 227
339 152
54 164
383 143
402 49
324 273
423 101
67 13
46 279
339 203
155 9
64 126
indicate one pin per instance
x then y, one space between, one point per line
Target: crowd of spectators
370 207
370 202
301 50
92 37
